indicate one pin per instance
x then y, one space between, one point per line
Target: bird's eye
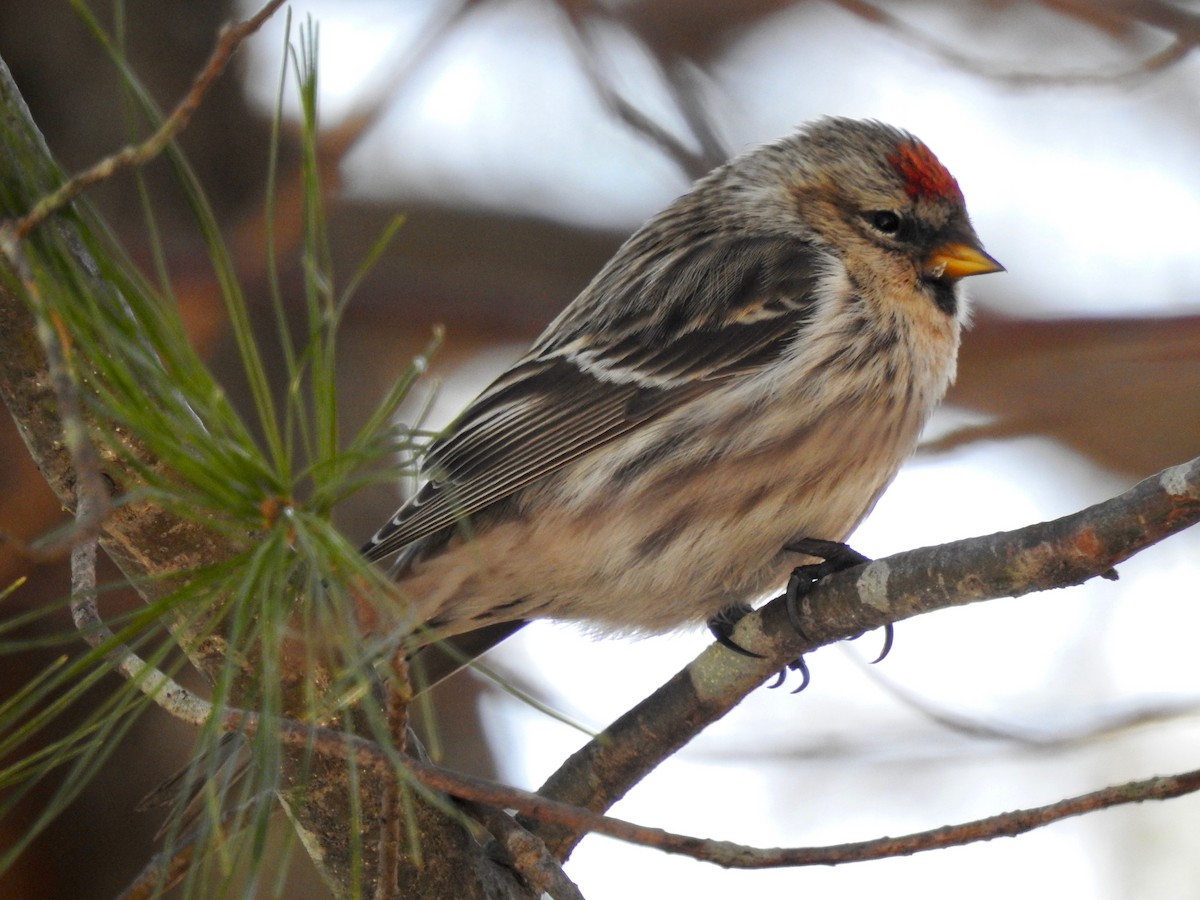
885 221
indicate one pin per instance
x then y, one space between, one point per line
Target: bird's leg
722 624
835 557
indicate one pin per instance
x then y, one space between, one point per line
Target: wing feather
707 313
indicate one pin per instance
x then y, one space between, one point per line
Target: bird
747 373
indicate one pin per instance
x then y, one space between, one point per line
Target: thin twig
161 873
724 853
228 41
1155 62
692 163
1037 739
1007 824
740 856
681 77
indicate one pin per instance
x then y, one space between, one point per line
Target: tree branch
692 163
369 756
1183 44
1047 555
228 41
1060 553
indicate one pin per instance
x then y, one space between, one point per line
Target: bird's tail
435 662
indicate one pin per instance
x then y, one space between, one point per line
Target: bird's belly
680 546
694 532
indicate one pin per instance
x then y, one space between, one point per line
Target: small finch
748 371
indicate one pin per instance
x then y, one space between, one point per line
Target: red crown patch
923 175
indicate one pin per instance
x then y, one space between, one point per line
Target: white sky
1091 198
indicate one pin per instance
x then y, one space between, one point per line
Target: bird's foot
722 624
835 557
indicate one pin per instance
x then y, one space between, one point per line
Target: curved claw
791 602
722 624
797 665
889 635
802 667
726 641
835 557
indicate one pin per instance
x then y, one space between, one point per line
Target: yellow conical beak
958 260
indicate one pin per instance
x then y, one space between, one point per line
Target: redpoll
749 370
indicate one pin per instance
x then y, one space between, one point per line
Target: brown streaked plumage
751 368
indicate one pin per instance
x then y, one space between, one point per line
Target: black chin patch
944 296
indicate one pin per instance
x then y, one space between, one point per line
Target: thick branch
1060 553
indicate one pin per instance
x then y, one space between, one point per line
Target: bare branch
1103 726
1059 553
738 856
369 755
693 164
948 53
161 873
228 42
1007 824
